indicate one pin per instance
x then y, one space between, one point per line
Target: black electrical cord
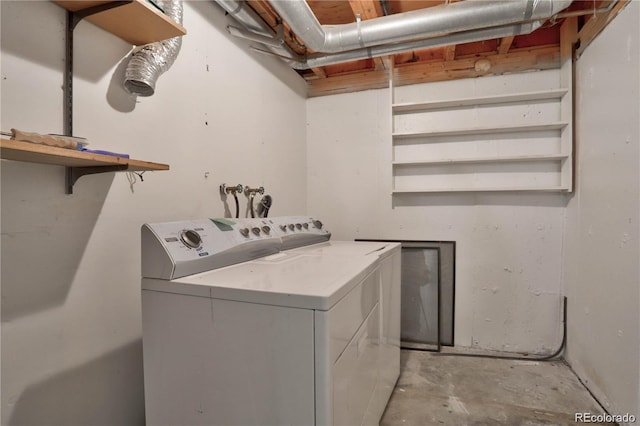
267 205
235 197
521 358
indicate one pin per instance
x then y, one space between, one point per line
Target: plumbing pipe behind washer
233 190
252 194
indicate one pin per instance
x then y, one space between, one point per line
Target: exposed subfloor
463 391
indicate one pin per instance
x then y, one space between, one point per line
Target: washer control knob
298 226
290 226
256 230
317 224
244 232
266 229
305 225
284 228
191 238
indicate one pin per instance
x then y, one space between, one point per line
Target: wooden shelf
482 100
481 131
482 189
35 153
77 163
473 160
138 22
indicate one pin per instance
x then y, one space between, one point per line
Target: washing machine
267 322
389 267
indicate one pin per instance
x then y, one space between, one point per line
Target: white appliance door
220 362
356 374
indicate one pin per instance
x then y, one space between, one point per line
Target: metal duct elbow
153 59
434 21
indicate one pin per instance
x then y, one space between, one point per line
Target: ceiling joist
505 44
546 57
450 52
537 50
596 24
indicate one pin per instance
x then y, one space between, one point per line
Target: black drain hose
235 197
521 358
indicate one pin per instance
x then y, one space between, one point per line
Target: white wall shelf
496 141
472 160
479 100
482 189
482 131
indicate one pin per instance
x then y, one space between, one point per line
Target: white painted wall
602 248
71 333
509 245
71 351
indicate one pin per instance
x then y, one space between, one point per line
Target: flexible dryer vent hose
153 59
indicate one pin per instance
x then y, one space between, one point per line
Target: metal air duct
262 33
323 60
153 59
434 21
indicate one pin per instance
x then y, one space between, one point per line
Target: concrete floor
463 391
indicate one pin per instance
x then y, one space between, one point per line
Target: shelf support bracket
72 174
73 18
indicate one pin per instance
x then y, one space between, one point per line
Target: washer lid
348 248
284 279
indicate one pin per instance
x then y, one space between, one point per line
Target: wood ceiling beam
568 38
596 24
375 79
546 57
450 52
517 60
368 9
319 72
505 44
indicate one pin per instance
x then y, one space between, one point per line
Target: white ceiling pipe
430 22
